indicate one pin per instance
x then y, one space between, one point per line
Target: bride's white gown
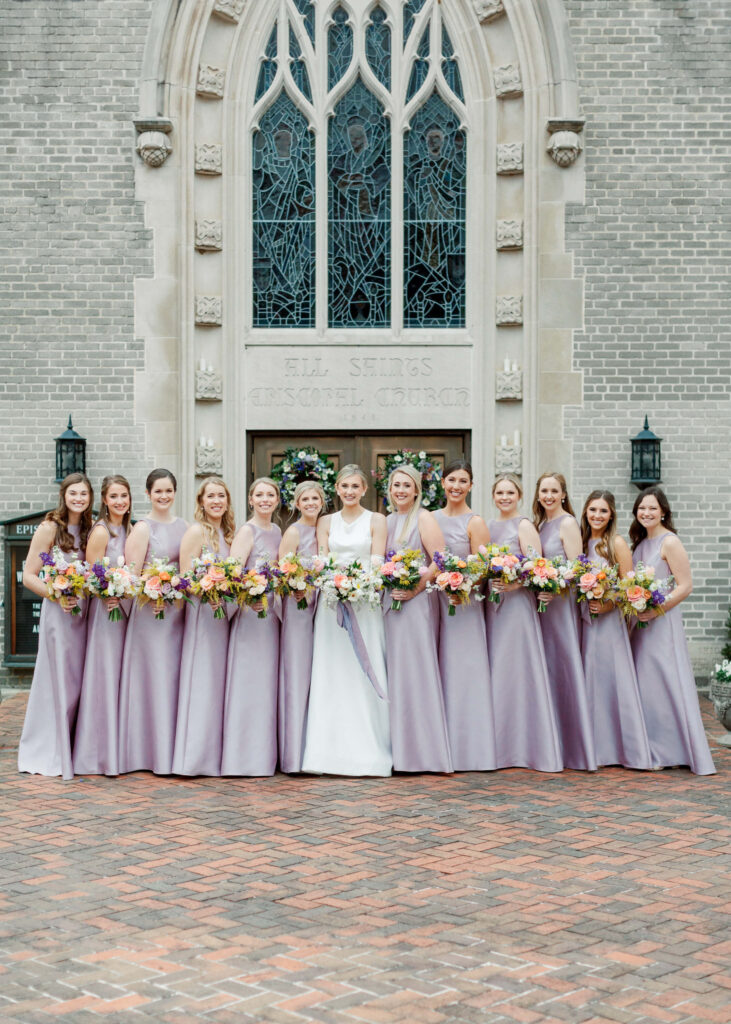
348 729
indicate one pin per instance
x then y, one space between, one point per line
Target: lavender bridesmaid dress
526 729
419 739
295 666
148 689
97 727
252 676
561 630
667 685
620 736
199 730
47 737
464 667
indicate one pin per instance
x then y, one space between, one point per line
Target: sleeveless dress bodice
505 531
165 539
76 551
649 551
550 533
454 530
307 546
224 549
350 542
266 544
412 542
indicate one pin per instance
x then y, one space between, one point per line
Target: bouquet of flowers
639 591
214 580
497 563
162 584
63 577
107 580
543 576
297 576
256 585
402 570
351 584
457 578
595 582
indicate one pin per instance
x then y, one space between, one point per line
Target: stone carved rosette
229 10
509 459
509 386
208 459
509 310
211 81
208 386
209 158
208 310
510 158
208 235
507 81
488 10
509 235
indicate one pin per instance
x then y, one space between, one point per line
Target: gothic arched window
359 141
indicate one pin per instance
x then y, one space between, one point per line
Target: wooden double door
366 450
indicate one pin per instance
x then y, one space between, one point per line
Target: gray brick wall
653 243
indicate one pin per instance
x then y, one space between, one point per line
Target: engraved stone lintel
209 158
208 310
208 235
507 81
509 310
208 385
509 234
488 10
510 158
211 81
208 459
153 144
509 386
509 459
229 10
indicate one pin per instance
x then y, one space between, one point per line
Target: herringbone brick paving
508 898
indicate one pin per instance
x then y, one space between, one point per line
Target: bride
348 723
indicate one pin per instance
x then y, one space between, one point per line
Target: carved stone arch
518 69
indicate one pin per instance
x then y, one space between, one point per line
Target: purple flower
439 560
47 559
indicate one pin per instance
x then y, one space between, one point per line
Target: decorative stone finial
153 144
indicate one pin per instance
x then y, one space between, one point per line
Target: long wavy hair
104 518
637 531
60 515
539 512
413 514
605 546
228 521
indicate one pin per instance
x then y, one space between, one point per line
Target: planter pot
720 694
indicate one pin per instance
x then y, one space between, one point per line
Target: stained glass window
339 47
378 46
359 212
283 172
411 9
298 67
307 10
268 67
420 67
450 68
434 217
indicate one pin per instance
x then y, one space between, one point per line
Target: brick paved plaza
497 898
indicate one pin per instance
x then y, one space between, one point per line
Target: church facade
492 227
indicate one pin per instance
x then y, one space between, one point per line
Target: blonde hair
309 485
351 470
228 523
513 480
412 515
539 512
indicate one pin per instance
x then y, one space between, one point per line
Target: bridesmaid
199 730
619 730
97 727
667 686
47 737
560 624
419 739
252 670
526 728
463 660
295 664
148 689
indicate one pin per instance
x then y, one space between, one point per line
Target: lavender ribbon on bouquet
349 622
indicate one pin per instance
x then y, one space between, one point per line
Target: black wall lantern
645 458
70 453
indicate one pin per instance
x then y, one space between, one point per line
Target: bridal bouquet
499 564
457 578
214 580
542 576
297 577
255 586
402 570
107 580
595 582
351 584
162 584
63 577
639 591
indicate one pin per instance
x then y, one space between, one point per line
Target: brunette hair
513 480
413 514
228 523
159 474
455 465
539 512
351 470
637 531
108 482
60 515
605 546
309 485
